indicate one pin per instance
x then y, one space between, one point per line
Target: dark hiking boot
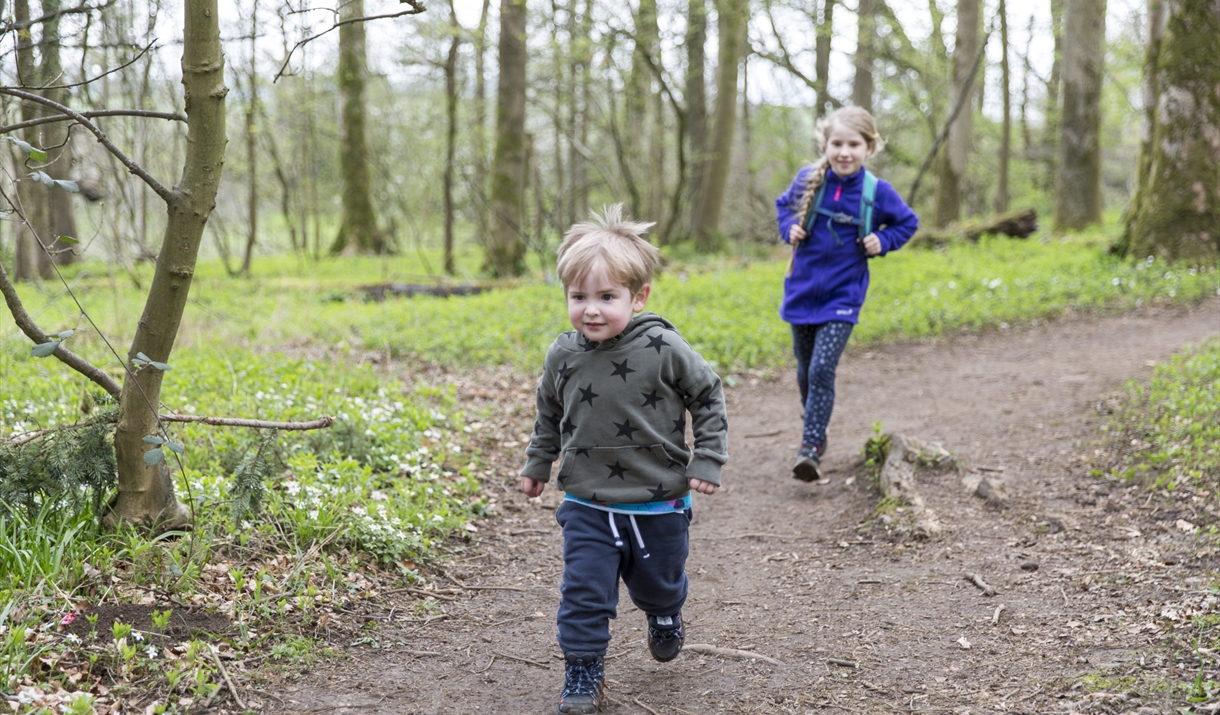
808 463
582 689
665 636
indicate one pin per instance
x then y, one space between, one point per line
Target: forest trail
806 575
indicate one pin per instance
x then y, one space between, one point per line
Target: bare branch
79 10
33 332
417 7
133 167
320 423
174 116
120 68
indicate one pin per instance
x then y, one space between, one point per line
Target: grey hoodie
616 412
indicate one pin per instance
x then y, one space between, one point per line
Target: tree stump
897 479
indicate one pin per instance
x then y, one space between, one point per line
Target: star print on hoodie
630 447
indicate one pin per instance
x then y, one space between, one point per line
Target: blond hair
856 119
613 241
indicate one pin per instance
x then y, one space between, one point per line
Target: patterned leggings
818 348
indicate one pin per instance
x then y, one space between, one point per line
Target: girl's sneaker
808 463
665 636
582 688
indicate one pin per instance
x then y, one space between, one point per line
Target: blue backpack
863 222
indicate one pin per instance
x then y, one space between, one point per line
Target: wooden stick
637 702
998 610
977 580
844 663
523 660
228 681
728 653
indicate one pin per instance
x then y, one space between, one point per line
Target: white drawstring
618 541
614 530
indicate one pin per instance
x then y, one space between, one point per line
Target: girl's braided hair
856 119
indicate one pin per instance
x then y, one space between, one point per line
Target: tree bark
866 55
732 31
696 102
506 247
146 494
952 168
1001 194
251 148
30 259
358 232
1078 178
450 133
825 32
642 138
1175 212
479 125
61 209
1054 87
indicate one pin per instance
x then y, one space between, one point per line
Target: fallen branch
320 423
995 618
977 580
728 653
844 663
637 702
523 660
419 592
228 681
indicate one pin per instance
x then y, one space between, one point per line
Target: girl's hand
796 234
532 487
872 244
703 487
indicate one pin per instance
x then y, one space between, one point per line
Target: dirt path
804 574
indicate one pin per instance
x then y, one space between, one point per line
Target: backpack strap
815 208
868 198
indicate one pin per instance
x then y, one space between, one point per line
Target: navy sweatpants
818 349
593 563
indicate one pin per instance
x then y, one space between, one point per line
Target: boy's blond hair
616 242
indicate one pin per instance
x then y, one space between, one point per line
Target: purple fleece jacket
830 277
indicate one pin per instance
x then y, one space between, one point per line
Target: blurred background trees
484 129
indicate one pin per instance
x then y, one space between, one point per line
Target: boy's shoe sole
665 644
806 470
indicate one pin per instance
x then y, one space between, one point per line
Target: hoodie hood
639 325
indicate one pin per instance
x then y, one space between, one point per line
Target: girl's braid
817 174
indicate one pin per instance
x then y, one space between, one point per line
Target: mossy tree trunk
1175 213
866 54
358 233
146 494
732 30
696 102
952 165
1078 176
506 244
31 260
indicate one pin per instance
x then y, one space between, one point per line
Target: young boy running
612 409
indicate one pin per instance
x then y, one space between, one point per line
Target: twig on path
758 435
419 592
844 663
637 702
728 653
422 653
486 667
531 531
524 660
738 536
990 469
977 580
228 680
484 588
995 618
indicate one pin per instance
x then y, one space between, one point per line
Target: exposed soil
808 575
183 624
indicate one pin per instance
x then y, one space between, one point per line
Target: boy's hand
703 487
872 244
532 487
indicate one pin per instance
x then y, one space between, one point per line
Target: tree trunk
952 168
822 58
251 148
1176 209
61 210
479 125
1078 179
866 54
358 232
732 31
1054 87
30 259
146 494
577 203
1001 195
506 247
641 140
450 133
696 101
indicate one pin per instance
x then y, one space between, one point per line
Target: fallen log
1014 224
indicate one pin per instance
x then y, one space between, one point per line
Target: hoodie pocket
634 464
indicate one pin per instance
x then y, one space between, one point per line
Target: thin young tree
451 119
825 33
1176 207
696 101
1001 196
1078 175
866 54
